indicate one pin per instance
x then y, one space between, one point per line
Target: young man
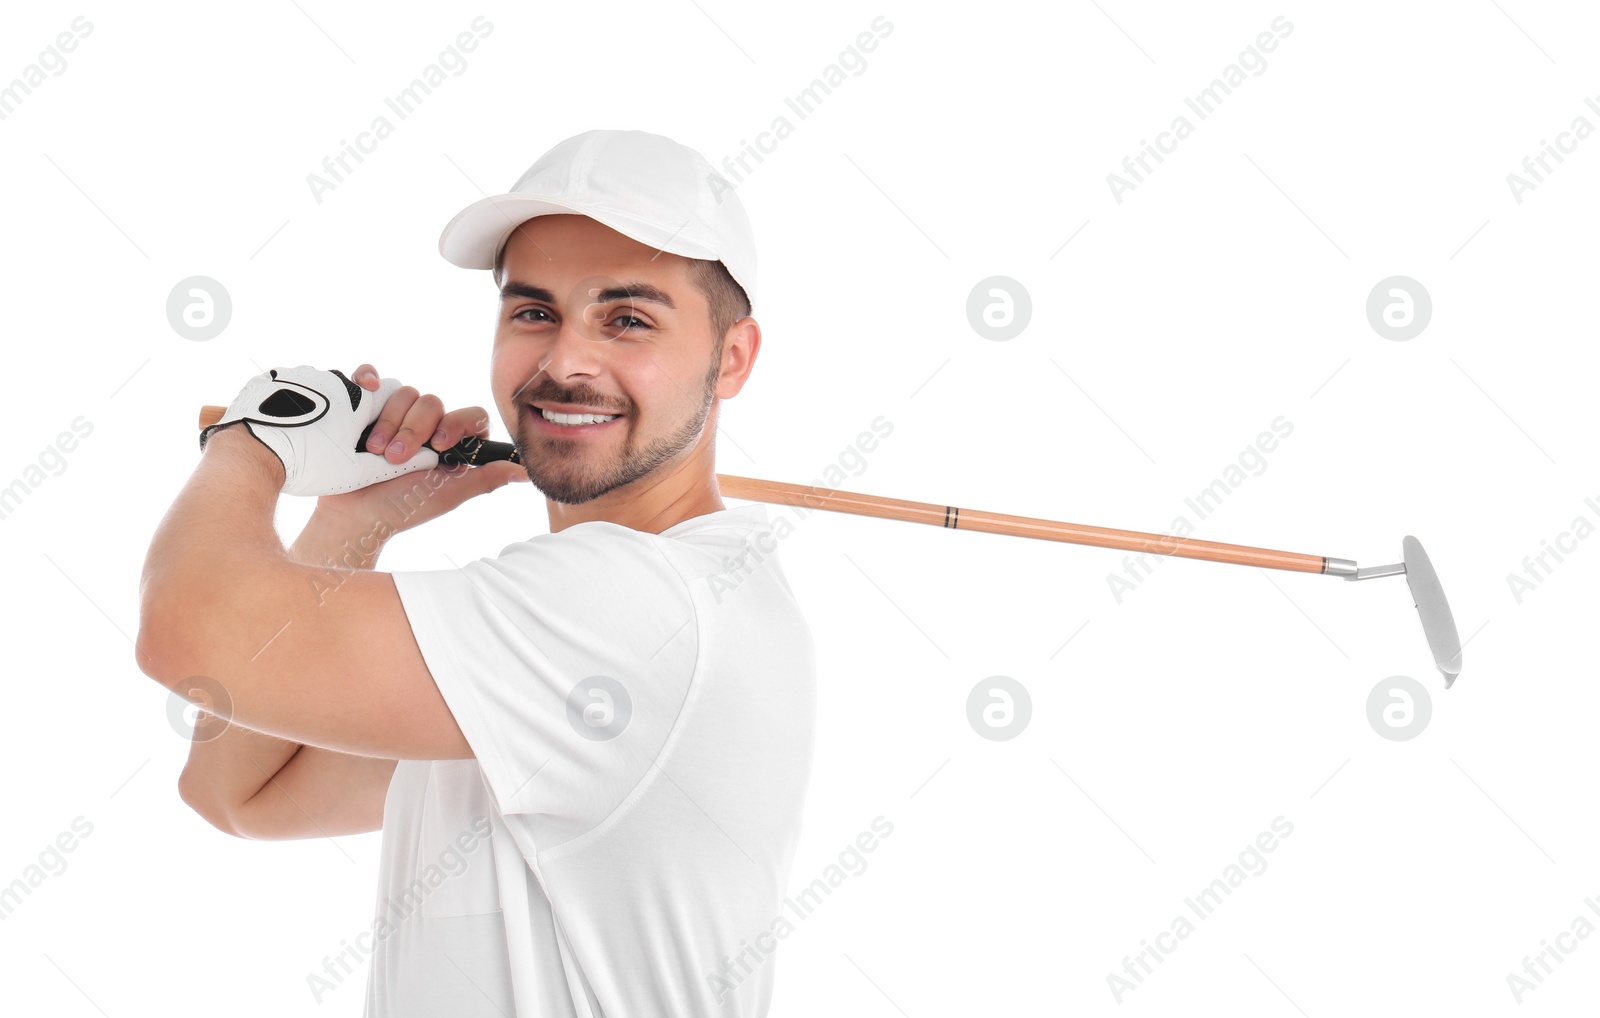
588 755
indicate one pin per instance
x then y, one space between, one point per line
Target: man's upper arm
311 656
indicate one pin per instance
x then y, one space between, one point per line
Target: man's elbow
145 657
193 792
155 650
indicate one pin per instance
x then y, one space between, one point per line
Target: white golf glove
317 423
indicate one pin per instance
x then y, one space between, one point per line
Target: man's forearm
218 529
324 544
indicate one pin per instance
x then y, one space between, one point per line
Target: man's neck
659 508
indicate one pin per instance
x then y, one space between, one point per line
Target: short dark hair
725 298
726 301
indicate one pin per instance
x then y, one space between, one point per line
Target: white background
1227 289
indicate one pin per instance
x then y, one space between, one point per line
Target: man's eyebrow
638 292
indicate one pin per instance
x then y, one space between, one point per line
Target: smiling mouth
575 422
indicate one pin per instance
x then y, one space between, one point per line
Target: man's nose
578 347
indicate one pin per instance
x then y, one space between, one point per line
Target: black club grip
472 450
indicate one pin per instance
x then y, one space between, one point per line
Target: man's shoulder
712 554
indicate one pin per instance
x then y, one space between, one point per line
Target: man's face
584 323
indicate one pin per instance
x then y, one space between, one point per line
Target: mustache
578 398
599 407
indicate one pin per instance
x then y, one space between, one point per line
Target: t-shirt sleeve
565 660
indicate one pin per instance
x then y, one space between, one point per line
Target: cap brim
476 234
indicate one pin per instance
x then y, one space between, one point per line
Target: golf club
1427 593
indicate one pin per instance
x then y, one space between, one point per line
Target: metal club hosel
1346 568
1368 572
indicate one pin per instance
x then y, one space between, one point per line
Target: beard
568 471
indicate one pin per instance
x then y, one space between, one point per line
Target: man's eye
632 322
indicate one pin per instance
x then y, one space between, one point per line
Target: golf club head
1438 625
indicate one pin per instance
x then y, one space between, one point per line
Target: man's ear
739 351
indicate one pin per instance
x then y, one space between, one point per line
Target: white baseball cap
642 185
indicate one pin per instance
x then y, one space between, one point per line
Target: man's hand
315 422
370 516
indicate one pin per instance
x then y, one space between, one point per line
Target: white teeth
576 419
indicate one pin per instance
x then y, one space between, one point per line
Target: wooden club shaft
805 496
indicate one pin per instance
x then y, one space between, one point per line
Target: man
589 755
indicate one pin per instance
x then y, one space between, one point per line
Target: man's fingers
409 420
458 424
389 418
418 425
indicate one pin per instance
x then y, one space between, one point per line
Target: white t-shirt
642 710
